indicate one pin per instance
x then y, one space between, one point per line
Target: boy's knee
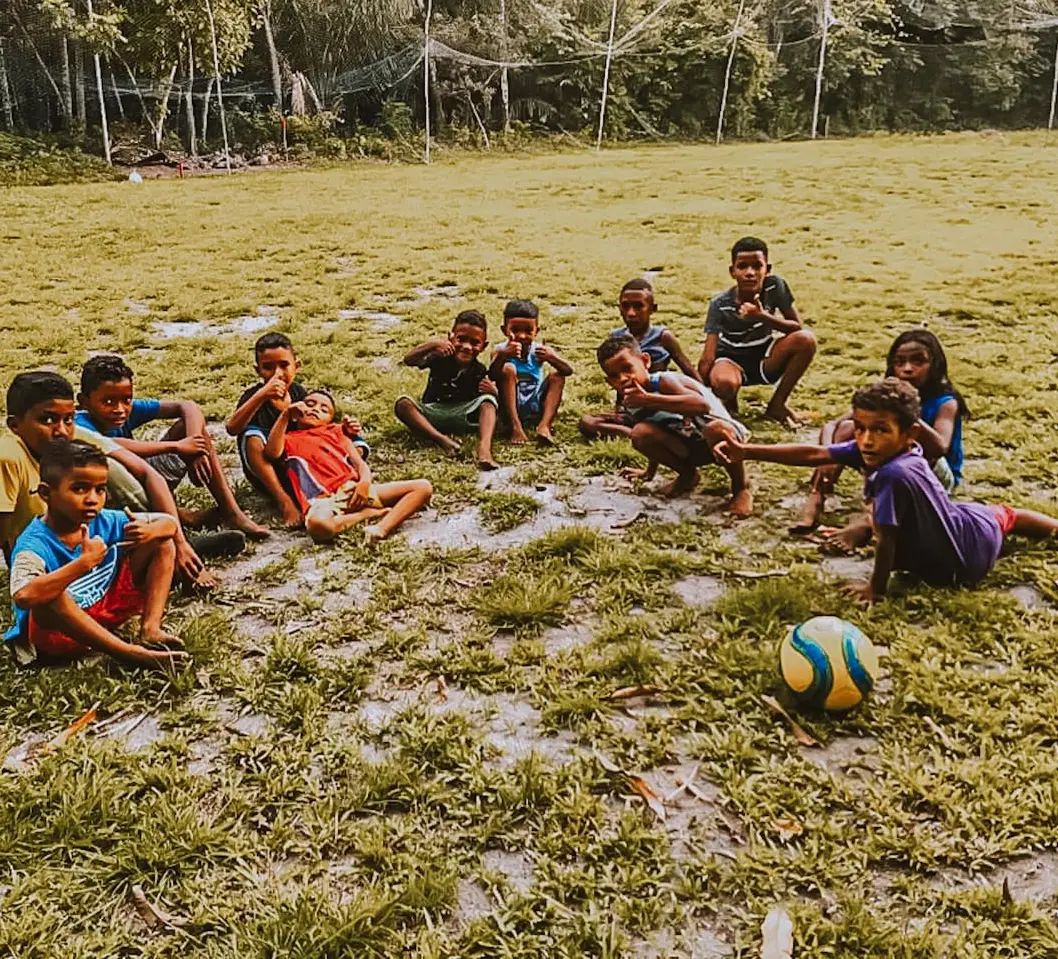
642 435
402 407
804 341
319 529
508 372
588 427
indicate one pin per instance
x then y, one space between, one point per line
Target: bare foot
158 638
253 530
451 448
635 472
518 438
811 514
681 485
205 581
545 436
783 415
290 516
741 505
487 464
846 540
164 660
373 534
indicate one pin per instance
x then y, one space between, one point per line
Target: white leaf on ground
777 935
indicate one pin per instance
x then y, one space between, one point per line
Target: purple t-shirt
942 542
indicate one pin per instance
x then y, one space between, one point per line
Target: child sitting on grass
331 480
40 408
637 307
258 409
459 397
916 357
918 528
82 570
528 393
108 407
678 421
754 335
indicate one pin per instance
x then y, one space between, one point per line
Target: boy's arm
705 364
160 498
272 391
421 354
148 527
547 355
363 471
32 587
673 398
669 341
277 436
884 561
787 454
500 355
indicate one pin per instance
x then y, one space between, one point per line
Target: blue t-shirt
954 456
52 553
531 375
940 541
651 345
143 411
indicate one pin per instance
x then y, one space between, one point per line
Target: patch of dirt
265 317
515 867
699 590
379 319
472 902
847 567
1031 879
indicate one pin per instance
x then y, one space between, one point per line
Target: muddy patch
699 590
1028 597
514 867
137 308
847 567
265 317
378 319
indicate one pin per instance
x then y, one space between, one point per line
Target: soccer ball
827 663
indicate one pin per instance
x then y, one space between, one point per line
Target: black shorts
750 361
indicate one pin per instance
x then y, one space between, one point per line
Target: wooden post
426 73
102 99
189 100
824 7
505 90
1054 88
727 72
606 76
5 92
220 91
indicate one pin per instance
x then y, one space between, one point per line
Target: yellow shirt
19 479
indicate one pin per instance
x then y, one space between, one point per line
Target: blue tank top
930 409
651 345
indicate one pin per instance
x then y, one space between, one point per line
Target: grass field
411 751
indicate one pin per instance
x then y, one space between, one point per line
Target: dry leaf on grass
442 689
70 731
152 916
795 727
631 692
787 828
777 935
642 789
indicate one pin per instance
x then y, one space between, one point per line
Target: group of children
79 570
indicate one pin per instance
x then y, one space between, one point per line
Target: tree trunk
6 109
116 91
66 100
273 56
189 101
78 84
204 125
163 108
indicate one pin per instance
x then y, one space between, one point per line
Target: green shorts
461 417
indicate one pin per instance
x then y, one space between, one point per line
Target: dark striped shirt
738 334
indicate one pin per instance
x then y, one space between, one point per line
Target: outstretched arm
548 355
278 435
787 454
674 398
669 341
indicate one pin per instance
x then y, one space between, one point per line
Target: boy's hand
635 397
200 470
295 411
510 350
276 392
862 592
137 530
444 348
93 549
351 427
362 495
729 452
488 387
192 445
751 308
545 354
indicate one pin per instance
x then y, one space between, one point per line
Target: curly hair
104 368
890 396
612 345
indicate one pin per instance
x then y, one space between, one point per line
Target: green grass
367 733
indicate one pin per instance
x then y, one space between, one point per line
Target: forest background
347 77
